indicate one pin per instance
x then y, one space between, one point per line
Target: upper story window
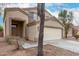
33 16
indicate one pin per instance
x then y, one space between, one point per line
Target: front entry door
14 30
17 28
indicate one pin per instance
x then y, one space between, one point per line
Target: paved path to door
66 44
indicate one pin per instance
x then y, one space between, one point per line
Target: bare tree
41 14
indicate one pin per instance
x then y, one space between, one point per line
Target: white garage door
52 34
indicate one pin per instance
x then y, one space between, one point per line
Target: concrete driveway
61 43
65 44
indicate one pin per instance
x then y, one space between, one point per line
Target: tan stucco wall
33 31
35 11
7 24
20 17
52 23
16 15
47 14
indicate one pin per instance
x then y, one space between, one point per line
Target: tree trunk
41 6
65 34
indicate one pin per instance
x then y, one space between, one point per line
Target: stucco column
4 29
7 27
10 21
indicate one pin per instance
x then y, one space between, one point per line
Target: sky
74 7
1 20
53 7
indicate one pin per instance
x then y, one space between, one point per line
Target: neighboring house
25 23
75 30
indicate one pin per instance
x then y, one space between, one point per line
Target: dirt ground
49 50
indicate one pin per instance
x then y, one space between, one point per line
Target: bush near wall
1 28
1 31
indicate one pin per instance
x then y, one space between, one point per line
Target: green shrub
1 28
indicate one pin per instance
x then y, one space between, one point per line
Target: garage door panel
52 33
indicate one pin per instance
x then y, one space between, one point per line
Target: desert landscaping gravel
49 50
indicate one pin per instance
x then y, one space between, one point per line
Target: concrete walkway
31 44
66 44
